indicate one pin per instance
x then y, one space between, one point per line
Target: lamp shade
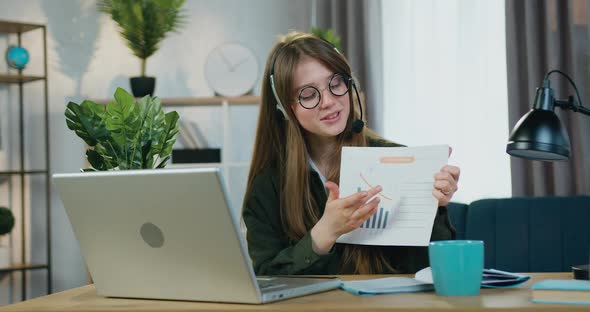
539 135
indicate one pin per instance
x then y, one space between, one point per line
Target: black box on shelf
199 155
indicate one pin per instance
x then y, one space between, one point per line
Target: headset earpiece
279 106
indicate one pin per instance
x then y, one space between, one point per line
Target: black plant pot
142 86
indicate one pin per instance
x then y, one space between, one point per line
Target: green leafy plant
328 35
6 220
124 134
144 23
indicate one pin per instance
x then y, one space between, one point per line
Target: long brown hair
281 144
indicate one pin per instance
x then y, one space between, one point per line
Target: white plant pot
4 256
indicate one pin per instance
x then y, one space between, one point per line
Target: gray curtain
358 24
543 35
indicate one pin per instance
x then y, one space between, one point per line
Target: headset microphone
357 125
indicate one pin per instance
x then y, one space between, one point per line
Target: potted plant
6 225
328 35
124 134
144 24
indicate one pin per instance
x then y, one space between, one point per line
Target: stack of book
562 291
194 146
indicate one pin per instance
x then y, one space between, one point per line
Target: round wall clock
231 69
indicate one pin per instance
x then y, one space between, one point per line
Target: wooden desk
85 299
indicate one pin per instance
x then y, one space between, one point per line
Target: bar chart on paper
406 210
372 222
379 219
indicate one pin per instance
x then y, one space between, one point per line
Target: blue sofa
528 234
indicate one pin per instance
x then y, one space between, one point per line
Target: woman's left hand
445 184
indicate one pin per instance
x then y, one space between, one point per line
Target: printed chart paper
406 212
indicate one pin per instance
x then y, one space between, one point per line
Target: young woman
292 208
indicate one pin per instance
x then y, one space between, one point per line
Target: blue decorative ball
17 57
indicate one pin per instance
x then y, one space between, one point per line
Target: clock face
231 69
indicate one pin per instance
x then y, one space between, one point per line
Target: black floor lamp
539 135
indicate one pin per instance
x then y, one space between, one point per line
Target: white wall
444 70
88 59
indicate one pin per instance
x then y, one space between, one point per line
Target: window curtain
445 83
542 35
358 23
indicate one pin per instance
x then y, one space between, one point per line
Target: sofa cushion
457 214
526 234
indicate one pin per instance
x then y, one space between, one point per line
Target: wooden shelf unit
201 101
14 79
20 80
23 267
18 172
10 27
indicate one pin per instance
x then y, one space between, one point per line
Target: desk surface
516 299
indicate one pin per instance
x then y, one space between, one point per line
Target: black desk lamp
539 135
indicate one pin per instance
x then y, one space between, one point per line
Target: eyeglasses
310 96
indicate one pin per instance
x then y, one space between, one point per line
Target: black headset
357 125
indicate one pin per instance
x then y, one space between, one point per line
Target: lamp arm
583 110
570 103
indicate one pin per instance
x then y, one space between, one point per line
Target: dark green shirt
274 254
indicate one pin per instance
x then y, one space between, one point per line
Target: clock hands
231 66
240 62
226 61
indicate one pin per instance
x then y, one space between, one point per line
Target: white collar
314 167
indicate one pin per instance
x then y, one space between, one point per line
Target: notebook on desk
168 234
556 291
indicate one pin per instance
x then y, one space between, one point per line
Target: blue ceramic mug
457 267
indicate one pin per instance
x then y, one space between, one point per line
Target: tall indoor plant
6 225
124 134
144 24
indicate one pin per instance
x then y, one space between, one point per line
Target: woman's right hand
342 215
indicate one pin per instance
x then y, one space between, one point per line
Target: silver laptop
168 234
